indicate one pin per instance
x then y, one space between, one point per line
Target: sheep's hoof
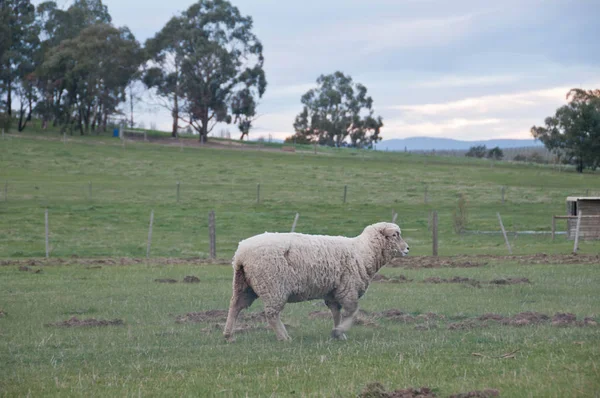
229 339
338 334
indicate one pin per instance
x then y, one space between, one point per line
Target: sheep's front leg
350 306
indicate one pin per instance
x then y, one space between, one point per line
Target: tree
336 110
495 153
57 26
574 130
18 39
92 72
478 151
208 65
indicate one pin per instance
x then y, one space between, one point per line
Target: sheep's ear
389 231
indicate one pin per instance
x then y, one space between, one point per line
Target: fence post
576 245
295 222
212 234
258 193
553 227
504 233
394 217
435 233
177 191
345 192
503 188
150 234
47 243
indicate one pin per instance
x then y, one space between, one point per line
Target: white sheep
285 268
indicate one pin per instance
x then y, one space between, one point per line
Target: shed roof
577 198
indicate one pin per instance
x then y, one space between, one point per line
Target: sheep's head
394 244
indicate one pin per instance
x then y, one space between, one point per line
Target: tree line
72 68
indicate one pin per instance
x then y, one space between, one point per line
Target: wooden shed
589 208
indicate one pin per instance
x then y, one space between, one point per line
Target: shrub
460 216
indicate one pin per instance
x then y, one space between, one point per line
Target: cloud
489 103
293 90
466 81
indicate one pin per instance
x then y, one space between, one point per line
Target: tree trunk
204 131
80 122
22 120
131 123
175 114
9 95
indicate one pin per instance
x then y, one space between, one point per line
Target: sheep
285 268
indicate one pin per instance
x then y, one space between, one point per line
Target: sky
462 69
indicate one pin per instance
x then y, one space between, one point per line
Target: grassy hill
41 171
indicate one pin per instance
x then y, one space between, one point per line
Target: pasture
433 329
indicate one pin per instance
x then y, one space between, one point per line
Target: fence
95 218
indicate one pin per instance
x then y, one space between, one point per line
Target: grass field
437 341
39 172
152 355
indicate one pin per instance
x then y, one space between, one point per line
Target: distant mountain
448 144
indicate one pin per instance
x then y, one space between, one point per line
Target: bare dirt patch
377 390
403 262
522 319
483 259
25 268
363 318
487 393
165 281
395 279
191 279
90 322
39 262
509 281
455 279
218 316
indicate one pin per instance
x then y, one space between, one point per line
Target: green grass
41 172
152 355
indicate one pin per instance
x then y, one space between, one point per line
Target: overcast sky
462 69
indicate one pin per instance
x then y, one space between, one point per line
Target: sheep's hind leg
272 315
350 310
239 301
335 309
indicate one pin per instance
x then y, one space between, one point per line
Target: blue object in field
115 132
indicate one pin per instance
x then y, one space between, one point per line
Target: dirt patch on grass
25 268
90 322
114 261
363 318
483 259
377 390
487 393
395 279
187 279
218 316
402 262
455 279
509 281
522 319
2 314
